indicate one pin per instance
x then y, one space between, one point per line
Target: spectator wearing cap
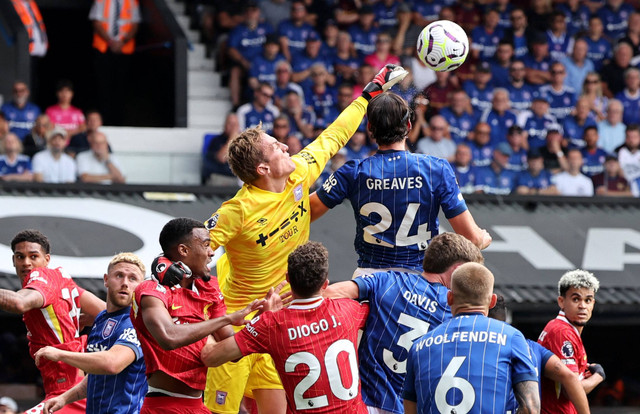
481 148
555 159
560 41
364 33
630 96
301 117
593 156
611 129
612 73
496 178
521 93
535 179
572 182
516 140
577 65
501 64
284 85
485 38
245 44
599 51
14 166
536 122
385 12
611 182
309 57
499 116
382 55
463 168
575 124
459 116
293 32
8 406
479 89
52 165
263 67
438 143
537 61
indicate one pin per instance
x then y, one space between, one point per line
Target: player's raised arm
21 301
555 370
90 306
465 225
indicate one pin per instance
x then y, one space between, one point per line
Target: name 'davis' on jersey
396 183
422 301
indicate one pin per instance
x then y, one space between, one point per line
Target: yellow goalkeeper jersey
260 228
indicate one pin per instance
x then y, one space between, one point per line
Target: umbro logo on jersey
174 307
262 221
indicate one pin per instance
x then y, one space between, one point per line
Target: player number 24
333 372
402 237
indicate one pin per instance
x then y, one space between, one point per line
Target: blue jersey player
396 195
402 307
116 383
470 363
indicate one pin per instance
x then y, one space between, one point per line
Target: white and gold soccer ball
443 46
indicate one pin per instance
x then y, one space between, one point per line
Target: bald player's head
471 289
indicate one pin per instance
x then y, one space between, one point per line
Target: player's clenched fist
388 76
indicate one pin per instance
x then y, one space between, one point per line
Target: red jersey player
174 315
577 290
312 342
50 303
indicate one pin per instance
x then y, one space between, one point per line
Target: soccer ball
443 45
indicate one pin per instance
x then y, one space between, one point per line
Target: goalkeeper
265 221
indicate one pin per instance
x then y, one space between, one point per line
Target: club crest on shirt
108 328
297 193
213 220
221 397
567 349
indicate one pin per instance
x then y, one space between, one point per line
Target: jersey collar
309 303
565 320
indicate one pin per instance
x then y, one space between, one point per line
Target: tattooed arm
528 397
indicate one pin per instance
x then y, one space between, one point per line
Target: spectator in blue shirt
575 125
501 64
496 178
263 68
516 140
293 33
576 15
630 96
562 99
599 47
464 170
560 41
14 166
385 12
479 89
309 57
284 85
538 62
594 157
499 116
364 33
577 66
259 110
615 17
215 168
481 149
535 179
20 113
503 7
301 117
320 96
485 38
245 44
345 63
426 11
460 117
519 34
521 93
536 122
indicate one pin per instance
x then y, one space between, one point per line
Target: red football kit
55 324
563 339
313 345
203 301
